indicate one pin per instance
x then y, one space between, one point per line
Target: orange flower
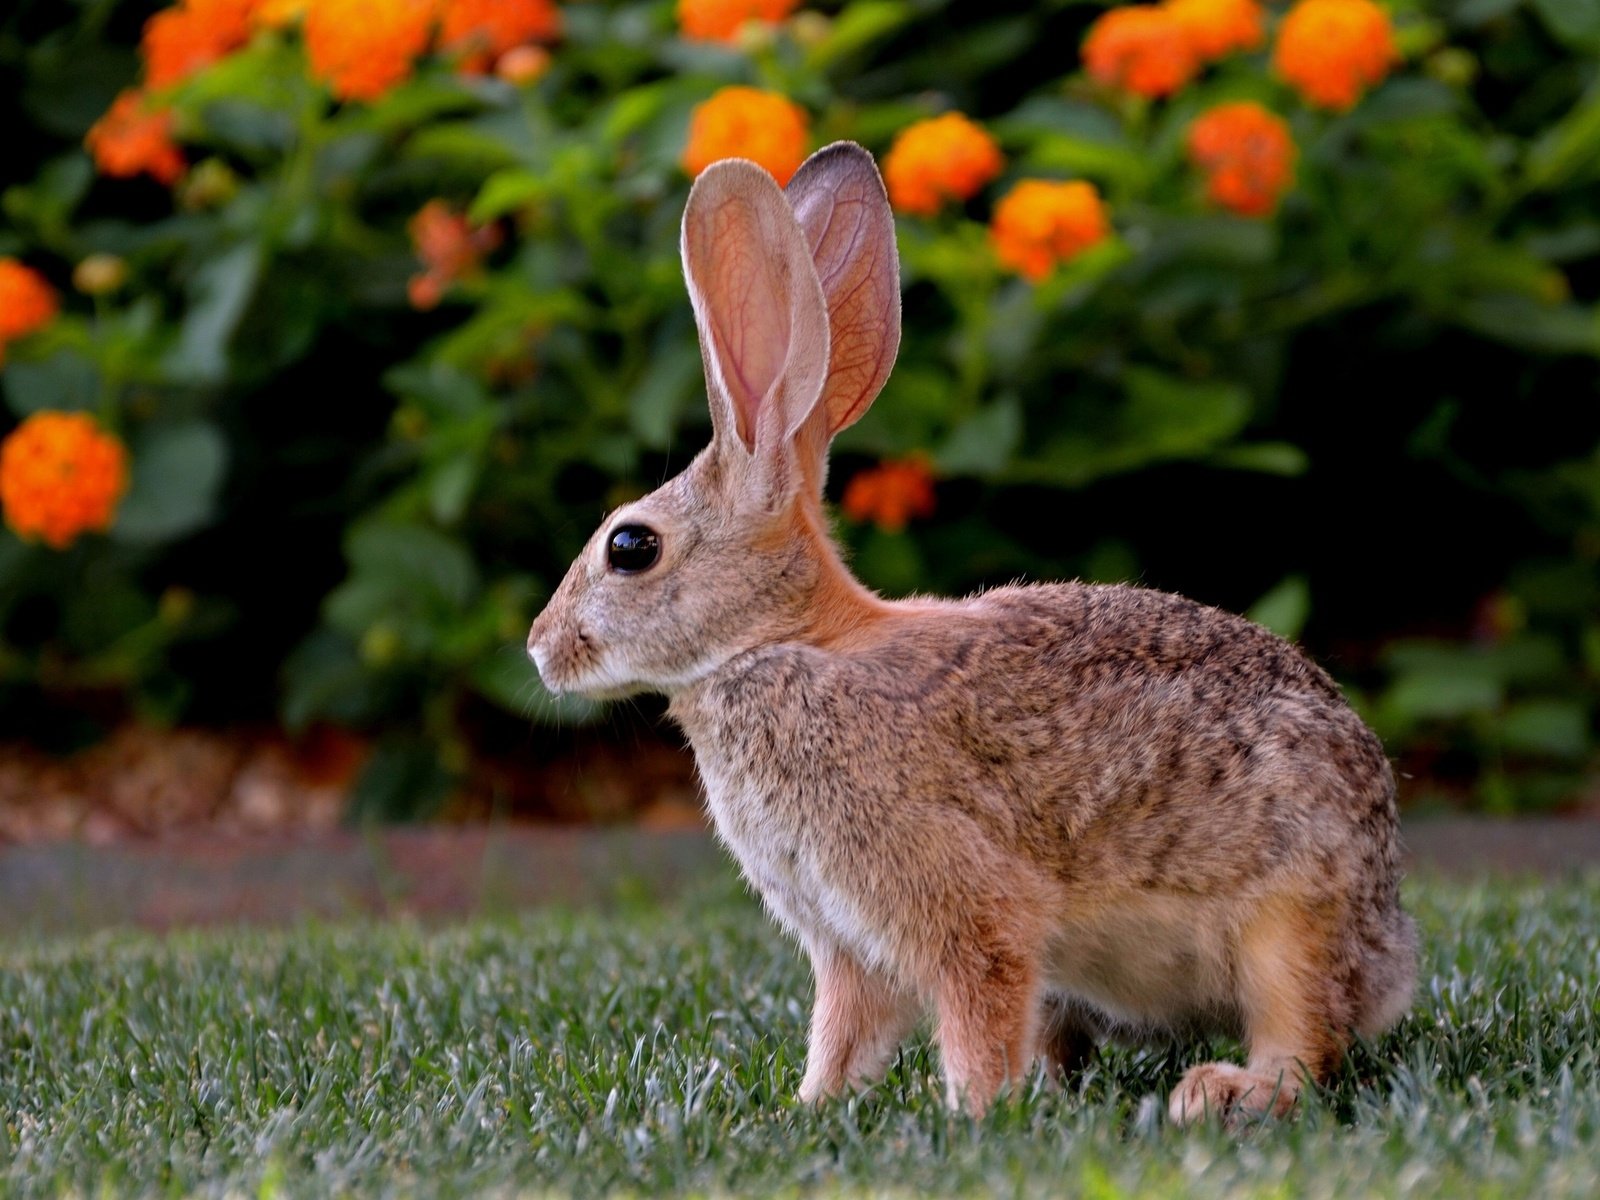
1038 224
721 20
135 139
745 122
1142 48
480 31
1331 51
1247 155
27 302
60 475
945 158
891 493
279 14
1216 28
192 35
449 246
362 48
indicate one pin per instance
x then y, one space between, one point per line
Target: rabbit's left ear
838 198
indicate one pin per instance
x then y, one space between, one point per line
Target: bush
384 328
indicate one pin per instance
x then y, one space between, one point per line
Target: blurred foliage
1369 419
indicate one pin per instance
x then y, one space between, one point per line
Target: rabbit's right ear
838 198
763 324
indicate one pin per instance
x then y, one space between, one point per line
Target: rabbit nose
536 636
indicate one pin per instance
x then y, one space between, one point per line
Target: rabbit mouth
580 672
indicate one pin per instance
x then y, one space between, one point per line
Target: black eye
633 548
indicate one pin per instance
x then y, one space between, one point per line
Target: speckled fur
1047 814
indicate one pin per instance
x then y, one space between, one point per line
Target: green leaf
403 781
891 562
325 679
657 403
1270 458
858 26
1527 323
1162 417
1574 22
1284 608
506 191
1440 695
219 293
1071 155
67 381
1567 149
1555 728
177 472
450 486
983 444
413 560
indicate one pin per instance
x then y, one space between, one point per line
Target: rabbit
1048 814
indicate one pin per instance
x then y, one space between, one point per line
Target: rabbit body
1045 813
1114 785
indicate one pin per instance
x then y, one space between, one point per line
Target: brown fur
1045 813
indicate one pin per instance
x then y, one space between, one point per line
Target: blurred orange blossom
1332 51
60 475
1247 155
944 158
746 122
1039 223
891 494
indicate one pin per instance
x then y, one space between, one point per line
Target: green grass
655 1051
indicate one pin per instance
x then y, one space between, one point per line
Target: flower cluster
27 302
191 35
1246 154
1143 49
450 248
938 160
61 475
1218 28
1039 224
134 137
891 494
359 48
480 33
1332 51
746 122
722 20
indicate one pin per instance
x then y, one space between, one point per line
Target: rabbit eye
633 548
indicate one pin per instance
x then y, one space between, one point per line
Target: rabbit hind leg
1068 1034
1295 1014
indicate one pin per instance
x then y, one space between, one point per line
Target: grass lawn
655 1050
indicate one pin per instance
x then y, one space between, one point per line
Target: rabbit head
796 296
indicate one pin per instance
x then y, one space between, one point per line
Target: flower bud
100 274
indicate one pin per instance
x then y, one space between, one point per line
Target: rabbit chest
781 820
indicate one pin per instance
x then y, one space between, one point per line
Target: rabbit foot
1232 1094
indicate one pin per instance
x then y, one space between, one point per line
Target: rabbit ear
838 198
763 324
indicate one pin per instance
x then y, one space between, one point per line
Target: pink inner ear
746 295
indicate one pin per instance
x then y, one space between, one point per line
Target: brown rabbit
1049 813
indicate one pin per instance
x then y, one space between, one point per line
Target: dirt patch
144 782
